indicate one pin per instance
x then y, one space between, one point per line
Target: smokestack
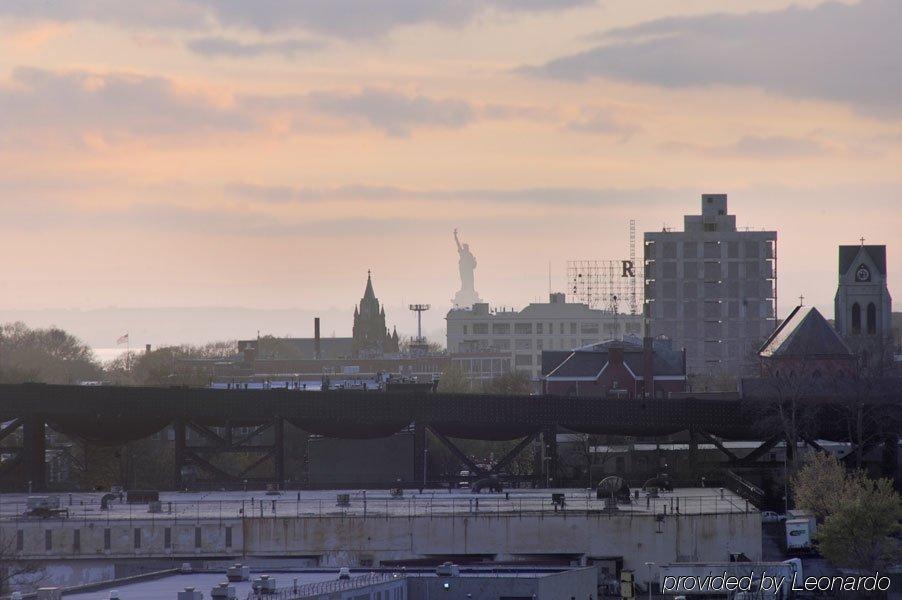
648 369
147 349
316 340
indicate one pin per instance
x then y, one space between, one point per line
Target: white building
712 288
555 325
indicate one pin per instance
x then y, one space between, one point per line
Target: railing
311 590
86 507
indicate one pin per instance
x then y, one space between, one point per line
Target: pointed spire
369 293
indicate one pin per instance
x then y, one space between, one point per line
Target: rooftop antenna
420 342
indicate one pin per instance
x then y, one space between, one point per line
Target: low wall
366 541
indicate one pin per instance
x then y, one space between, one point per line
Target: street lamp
649 565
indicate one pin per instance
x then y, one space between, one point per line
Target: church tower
371 336
863 304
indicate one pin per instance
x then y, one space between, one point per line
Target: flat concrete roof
181 506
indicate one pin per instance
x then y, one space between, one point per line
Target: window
480 328
523 360
732 249
669 270
501 328
137 538
523 344
572 328
586 328
540 328
20 540
690 269
712 250
872 319
523 328
76 540
167 538
106 539
197 538
48 540
465 330
856 318
669 250
751 249
690 250
710 226
712 271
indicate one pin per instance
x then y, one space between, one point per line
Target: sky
265 155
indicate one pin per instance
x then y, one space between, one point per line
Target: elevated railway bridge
116 415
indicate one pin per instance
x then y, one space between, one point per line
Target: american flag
123 339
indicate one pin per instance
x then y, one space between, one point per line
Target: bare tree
13 570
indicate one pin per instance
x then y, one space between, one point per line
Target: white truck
801 529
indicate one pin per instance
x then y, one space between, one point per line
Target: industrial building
712 288
376 529
523 335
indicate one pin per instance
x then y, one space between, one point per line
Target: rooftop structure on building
619 367
805 343
523 335
712 288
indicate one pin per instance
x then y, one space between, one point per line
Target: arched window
872 319
856 318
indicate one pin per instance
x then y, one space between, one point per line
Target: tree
169 365
860 533
860 516
44 355
12 569
453 380
511 383
822 485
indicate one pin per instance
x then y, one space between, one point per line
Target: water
105 355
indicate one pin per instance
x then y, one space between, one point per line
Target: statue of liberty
466 296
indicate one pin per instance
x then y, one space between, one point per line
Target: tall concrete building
555 325
712 288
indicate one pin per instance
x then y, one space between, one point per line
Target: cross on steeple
802 300
862 240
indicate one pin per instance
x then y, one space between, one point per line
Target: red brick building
621 368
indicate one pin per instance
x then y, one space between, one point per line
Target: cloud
339 18
78 103
394 113
364 18
222 47
550 196
603 122
758 147
91 109
835 52
155 14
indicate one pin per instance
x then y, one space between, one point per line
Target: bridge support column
178 460
420 457
549 457
33 450
278 435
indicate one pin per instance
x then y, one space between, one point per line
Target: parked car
769 516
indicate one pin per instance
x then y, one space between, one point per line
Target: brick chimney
317 350
648 368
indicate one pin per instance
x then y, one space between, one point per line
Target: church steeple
371 336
